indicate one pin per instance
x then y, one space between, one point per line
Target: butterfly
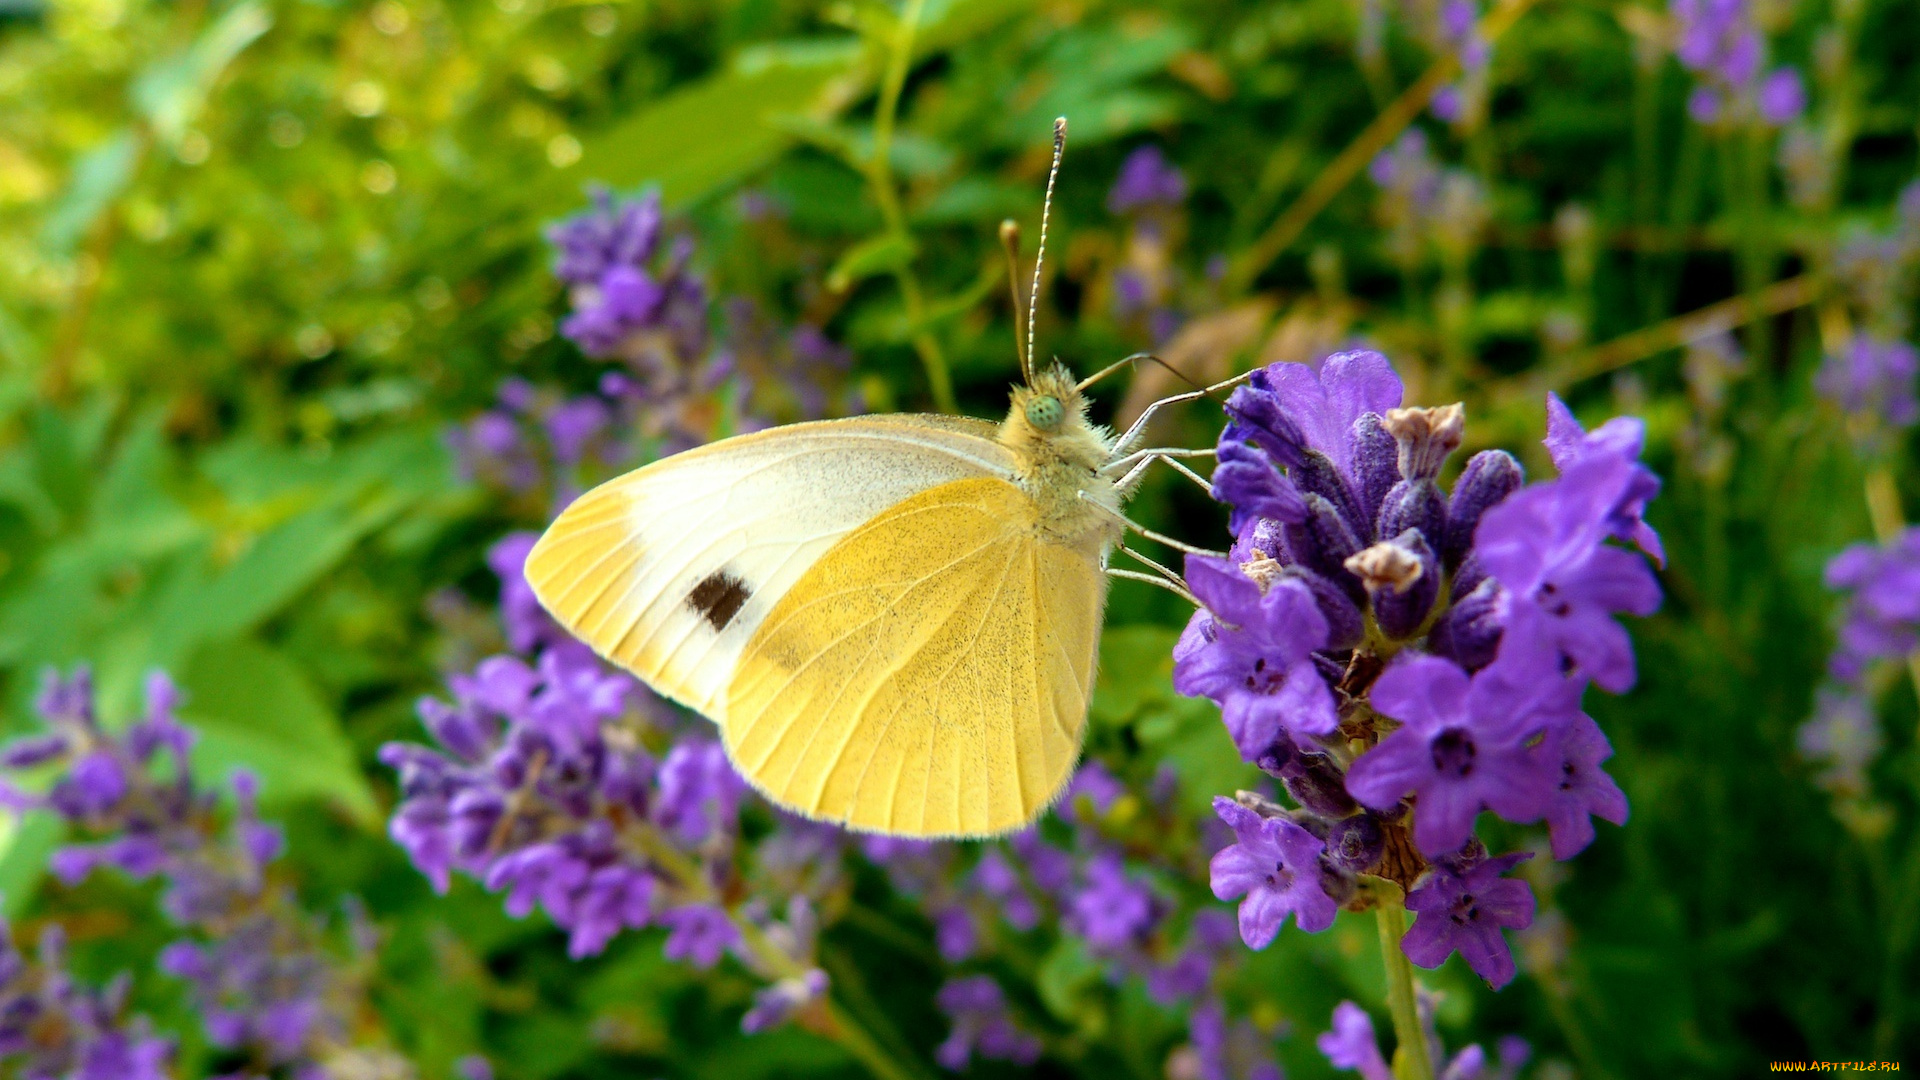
893 620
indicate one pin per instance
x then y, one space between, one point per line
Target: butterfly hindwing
670 569
929 674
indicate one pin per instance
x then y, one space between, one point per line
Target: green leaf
1135 688
1068 974
173 92
98 179
26 840
255 709
700 138
876 255
280 565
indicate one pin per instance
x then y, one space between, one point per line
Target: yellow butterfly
893 620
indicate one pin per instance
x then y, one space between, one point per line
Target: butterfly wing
929 675
670 569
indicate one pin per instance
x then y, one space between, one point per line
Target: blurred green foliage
255 257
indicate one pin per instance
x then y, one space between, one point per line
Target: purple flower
94 785
1463 909
1228 1051
954 934
1097 784
699 934
1251 650
1050 868
1000 883
1190 972
1275 865
611 234
981 1026
1111 909
1464 744
1583 790
614 898
699 791
1319 407
776 1004
1872 380
1619 439
1719 42
1514 1052
1882 619
1544 545
1781 97
1146 179
526 622
1352 1045
1844 736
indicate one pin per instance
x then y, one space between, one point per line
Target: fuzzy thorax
1059 463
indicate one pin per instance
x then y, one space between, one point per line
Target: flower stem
773 960
880 176
1410 1044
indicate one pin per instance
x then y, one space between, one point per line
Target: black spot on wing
718 598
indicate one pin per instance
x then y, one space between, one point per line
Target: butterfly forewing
670 569
928 675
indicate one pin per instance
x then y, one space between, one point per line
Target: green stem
1560 1005
1883 507
1895 900
1646 177
1410 1060
880 177
858 1042
845 1029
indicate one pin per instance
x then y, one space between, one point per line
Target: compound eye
1045 412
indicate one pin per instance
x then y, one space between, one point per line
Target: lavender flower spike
1883 611
981 1026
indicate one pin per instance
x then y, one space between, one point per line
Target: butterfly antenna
1046 211
1206 391
1010 243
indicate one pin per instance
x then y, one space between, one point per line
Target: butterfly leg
1158 582
1159 538
1134 466
1168 580
1126 442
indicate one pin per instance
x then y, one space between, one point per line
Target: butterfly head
1048 421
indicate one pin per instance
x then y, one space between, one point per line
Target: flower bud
1345 625
1469 633
1403 598
1322 542
1414 504
1376 467
1355 844
1490 476
1278 758
1318 475
1317 784
1259 419
1246 480
1336 883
